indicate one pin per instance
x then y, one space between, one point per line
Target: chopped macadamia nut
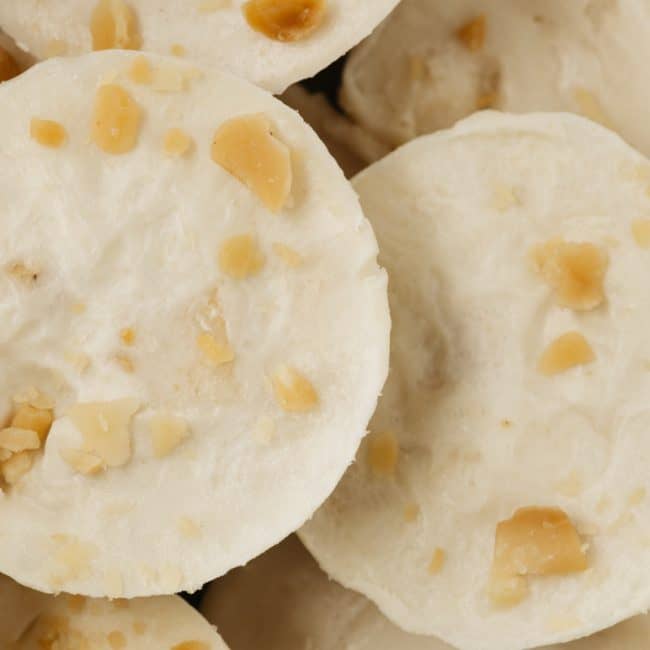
246 148
17 466
177 143
47 133
14 439
641 232
113 25
8 66
293 391
140 71
590 107
285 20
288 255
35 398
383 453
240 257
127 336
167 433
472 34
569 350
105 427
437 561
576 271
35 419
116 120
82 462
215 352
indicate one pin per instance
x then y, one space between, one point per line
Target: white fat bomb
500 500
77 623
19 607
195 327
434 62
296 606
272 43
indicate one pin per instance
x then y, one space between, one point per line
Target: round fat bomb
272 43
295 604
434 62
501 498
195 328
162 622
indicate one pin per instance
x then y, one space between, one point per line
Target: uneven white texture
163 622
221 37
413 76
296 606
481 432
133 239
19 606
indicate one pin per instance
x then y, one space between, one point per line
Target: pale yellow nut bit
116 120
472 33
437 561
113 25
641 232
15 440
47 133
82 462
140 71
293 391
246 148
383 453
34 419
576 271
17 466
567 351
167 433
177 143
127 336
8 66
285 20
240 257
215 352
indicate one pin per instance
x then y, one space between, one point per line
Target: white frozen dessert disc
160 623
434 62
19 606
272 43
500 500
296 606
195 328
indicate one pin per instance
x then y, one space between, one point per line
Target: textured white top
213 32
481 432
132 241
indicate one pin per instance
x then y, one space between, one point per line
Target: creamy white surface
161 622
212 38
470 320
134 238
413 76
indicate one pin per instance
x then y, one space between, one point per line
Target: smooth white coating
481 432
219 37
132 241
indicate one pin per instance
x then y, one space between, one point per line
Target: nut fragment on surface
177 143
140 71
240 257
17 466
437 561
535 541
14 439
567 351
285 20
641 232
127 336
472 33
383 453
8 66
246 148
293 391
576 271
82 461
113 25
167 433
35 419
116 120
288 255
47 132
215 352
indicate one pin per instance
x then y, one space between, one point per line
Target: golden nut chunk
116 120
167 433
113 25
246 148
472 34
383 453
567 351
177 143
437 561
8 66
576 271
17 466
285 20
293 391
240 257
216 353
35 419
127 336
82 462
47 133
14 439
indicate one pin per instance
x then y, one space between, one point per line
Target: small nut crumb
116 640
506 590
590 107
383 453
576 271
125 362
127 336
437 561
34 419
47 133
215 352
8 66
177 50
14 439
285 20
113 25
140 71
240 257
167 433
177 143
17 466
641 232
288 255
116 120
567 351
23 273
293 391
35 398
246 148
472 33
82 462
189 528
